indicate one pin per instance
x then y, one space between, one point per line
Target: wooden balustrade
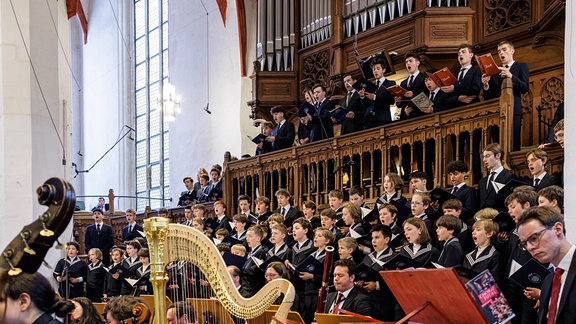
426 143
118 220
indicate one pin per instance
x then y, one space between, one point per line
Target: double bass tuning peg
7 255
25 236
44 218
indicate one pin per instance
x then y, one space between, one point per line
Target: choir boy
447 227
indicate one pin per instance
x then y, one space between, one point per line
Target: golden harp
174 242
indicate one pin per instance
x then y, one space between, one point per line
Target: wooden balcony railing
426 143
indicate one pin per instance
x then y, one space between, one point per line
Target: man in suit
319 122
188 215
378 104
492 156
215 183
537 160
188 196
99 235
131 231
283 134
467 89
290 213
457 171
518 73
222 221
354 107
346 296
542 233
415 85
203 193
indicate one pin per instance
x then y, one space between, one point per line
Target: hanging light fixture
169 104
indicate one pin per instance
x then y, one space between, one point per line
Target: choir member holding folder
368 276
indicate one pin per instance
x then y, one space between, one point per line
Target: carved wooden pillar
227 191
111 201
507 123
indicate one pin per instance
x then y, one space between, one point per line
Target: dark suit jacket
284 136
488 259
291 215
127 235
567 308
520 78
378 111
440 101
451 255
547 181
321 126
186 195
252 278
488 196
418 86
103 240
350 125
355 302
467 195
470 85
46 318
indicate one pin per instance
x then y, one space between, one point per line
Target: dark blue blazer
467 195
547 181
350 125
378 111
520 85
284 136
127 235
488 196
418 86
103 240
470 85
321 126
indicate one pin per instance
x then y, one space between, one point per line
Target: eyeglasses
559 135
533 239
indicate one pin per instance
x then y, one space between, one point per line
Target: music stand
433 296
322 318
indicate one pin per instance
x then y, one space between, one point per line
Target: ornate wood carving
500 15
316 67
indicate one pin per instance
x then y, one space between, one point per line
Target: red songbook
442 77
397 91
487 65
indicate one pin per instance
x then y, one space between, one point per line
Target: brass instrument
170 242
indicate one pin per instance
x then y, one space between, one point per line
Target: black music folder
505 222
367 273
531 274
233 259
310 265
400 261
368 86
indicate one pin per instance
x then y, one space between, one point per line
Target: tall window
151 68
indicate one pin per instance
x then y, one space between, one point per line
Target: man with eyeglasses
542 233
514 257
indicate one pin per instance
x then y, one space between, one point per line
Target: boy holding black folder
301 249
313 280
252 276
370 281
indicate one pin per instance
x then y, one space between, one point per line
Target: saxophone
173 242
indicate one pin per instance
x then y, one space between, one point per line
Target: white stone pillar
33 145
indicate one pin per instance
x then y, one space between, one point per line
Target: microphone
130 128
206 109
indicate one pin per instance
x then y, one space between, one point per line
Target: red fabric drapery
74 7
